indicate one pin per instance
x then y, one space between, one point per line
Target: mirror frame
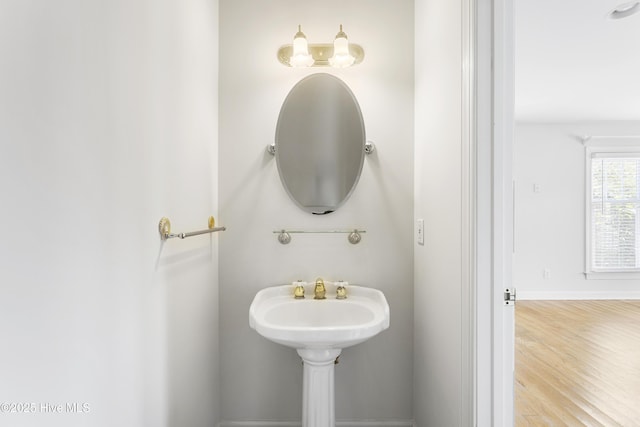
292 115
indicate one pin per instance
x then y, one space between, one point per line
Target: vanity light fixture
338 54
625 10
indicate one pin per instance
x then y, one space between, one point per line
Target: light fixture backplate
320 53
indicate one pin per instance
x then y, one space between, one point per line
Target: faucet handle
341 290
298 292
319 290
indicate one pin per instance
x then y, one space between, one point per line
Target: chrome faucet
320 290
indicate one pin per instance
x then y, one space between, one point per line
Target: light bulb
301 56
341 57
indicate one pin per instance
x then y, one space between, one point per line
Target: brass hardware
298 292
341 291
320 53
320 290
164 228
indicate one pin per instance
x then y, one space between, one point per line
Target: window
613 211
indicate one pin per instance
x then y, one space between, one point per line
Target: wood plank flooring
577 363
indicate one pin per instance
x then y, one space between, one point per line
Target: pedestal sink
318 330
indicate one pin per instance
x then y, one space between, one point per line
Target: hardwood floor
577 363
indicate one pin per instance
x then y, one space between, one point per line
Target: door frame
494 246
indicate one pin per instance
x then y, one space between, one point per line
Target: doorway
563 96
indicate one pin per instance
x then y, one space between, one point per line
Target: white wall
550 224
262 380
438 161
108 122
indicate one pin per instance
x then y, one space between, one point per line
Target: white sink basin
318 330
308 323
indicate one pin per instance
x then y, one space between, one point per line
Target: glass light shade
301 56
341 57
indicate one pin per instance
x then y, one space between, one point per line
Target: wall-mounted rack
164 228
354 235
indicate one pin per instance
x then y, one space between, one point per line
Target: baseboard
577 295
396 423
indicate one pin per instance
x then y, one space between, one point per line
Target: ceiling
574 63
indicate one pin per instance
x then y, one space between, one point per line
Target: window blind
615 212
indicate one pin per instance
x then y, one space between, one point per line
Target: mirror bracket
369 147
271 148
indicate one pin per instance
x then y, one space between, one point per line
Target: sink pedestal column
318 394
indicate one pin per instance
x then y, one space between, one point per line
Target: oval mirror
320 143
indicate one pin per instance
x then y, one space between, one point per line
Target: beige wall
262 380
